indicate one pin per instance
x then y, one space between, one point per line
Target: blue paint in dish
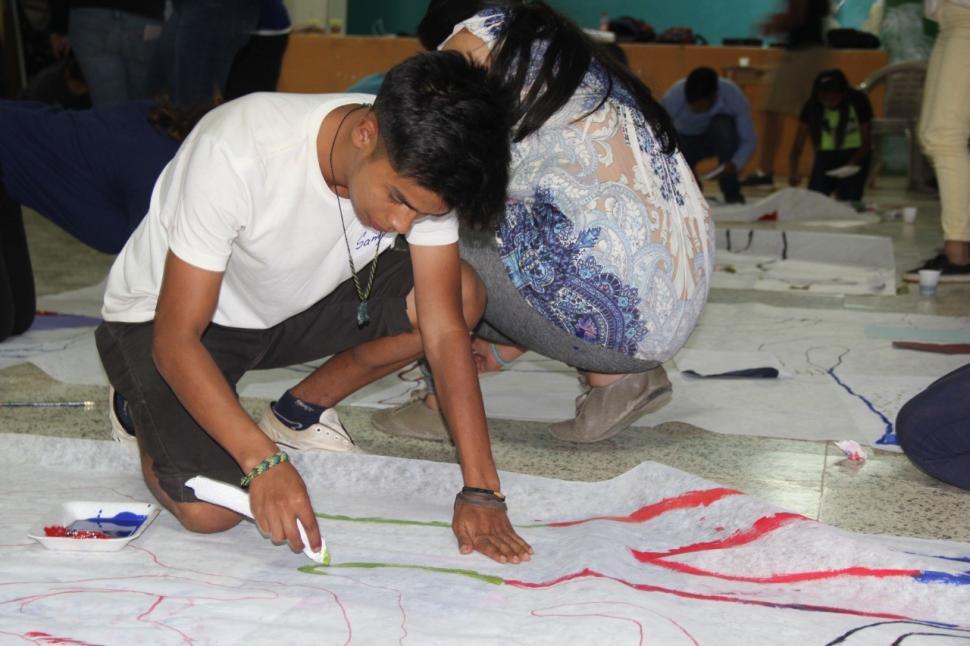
120 525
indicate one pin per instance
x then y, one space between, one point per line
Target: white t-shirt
245 196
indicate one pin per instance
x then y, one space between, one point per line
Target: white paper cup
928 280
909 214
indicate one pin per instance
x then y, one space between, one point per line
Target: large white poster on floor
653 556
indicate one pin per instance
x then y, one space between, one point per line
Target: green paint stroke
376 520
383 521
472 574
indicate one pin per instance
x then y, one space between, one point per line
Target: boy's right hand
277 499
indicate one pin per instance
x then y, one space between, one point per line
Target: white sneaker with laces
328 435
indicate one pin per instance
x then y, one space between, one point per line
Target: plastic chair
901 106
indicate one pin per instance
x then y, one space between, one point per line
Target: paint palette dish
81 526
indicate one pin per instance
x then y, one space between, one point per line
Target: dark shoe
949 273
758 179
122 428
734 198
604 411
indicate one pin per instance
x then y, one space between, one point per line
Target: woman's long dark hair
565 64
833 80
177 121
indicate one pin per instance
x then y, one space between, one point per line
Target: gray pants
510 319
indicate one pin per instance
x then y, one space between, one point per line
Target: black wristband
478 499
498 495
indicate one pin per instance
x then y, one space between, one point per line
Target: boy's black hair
701 84
567 58
446 123
834 81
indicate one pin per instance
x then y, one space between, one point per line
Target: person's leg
851 188
818 181
944 128
617 388
933 429
17 297
256 67
173 446
207 35
139 44
723 134
96 41
694 148
375 352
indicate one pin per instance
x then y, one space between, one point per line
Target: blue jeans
115 50
198 45
719 140
934 428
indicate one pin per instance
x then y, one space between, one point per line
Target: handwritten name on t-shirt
366 239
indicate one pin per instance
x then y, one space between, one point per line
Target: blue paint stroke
930 624
121 525
948 578
889 437
962 559
63 321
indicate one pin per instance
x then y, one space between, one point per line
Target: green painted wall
710 18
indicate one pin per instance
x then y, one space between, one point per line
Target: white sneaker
327 435
118 431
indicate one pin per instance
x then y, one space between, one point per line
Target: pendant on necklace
363 318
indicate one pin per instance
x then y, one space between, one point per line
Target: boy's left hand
488 531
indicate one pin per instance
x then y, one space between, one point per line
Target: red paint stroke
59 531
687 500
45 638
761 527
792 577
643 587
336 599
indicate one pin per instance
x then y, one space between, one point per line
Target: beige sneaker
328 435
604 411
413 419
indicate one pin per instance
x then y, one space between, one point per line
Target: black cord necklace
363 318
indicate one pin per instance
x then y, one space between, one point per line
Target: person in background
838 120
115 42
256 67
198 44
90 172
802 25
713 119
944 128
603 256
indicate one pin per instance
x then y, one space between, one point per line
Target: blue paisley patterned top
605 235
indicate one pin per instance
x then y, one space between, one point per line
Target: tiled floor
885 495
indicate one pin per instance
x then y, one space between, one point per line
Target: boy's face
386 201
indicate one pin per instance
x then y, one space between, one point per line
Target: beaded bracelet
263 467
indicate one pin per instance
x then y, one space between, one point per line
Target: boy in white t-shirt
263 248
